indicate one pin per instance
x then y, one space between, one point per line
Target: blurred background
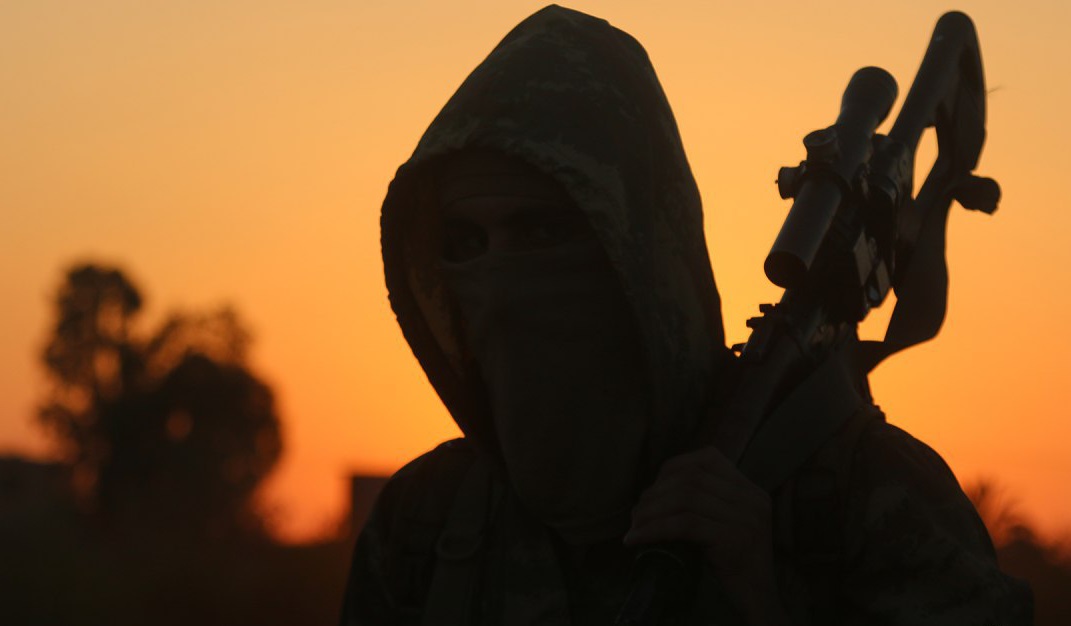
202 384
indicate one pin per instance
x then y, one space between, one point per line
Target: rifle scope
834 156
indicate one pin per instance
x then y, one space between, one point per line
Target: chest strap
452 596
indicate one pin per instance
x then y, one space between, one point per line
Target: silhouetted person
545 257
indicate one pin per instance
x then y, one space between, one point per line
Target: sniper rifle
854 232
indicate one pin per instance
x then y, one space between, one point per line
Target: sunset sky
238 151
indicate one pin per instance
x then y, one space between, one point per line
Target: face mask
557 348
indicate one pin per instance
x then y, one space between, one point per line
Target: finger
695 479
682 463
714 536
695 495
728 522
708 458
735 489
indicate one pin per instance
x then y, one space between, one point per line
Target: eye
463 241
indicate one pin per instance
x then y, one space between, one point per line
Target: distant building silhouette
28 486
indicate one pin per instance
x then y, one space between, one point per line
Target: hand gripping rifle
853 233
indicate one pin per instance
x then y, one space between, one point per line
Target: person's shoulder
431 464
899 480
424 486
888 458
890 488
395 551
888 453
916 544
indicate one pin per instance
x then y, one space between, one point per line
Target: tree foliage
170 427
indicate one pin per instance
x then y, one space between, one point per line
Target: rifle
854 232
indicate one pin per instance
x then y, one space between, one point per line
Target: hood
579 100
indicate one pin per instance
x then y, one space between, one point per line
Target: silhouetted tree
92 363
1024 554
173 429
999 512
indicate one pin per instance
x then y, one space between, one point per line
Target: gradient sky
238 151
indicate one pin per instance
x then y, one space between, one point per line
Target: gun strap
453 593
922 293
804 421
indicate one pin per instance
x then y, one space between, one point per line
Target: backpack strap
452 596
408 519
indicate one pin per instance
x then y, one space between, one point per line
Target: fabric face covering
577 102
554 339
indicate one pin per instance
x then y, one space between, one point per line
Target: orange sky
227 151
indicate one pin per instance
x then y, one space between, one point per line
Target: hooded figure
545 257
568 103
